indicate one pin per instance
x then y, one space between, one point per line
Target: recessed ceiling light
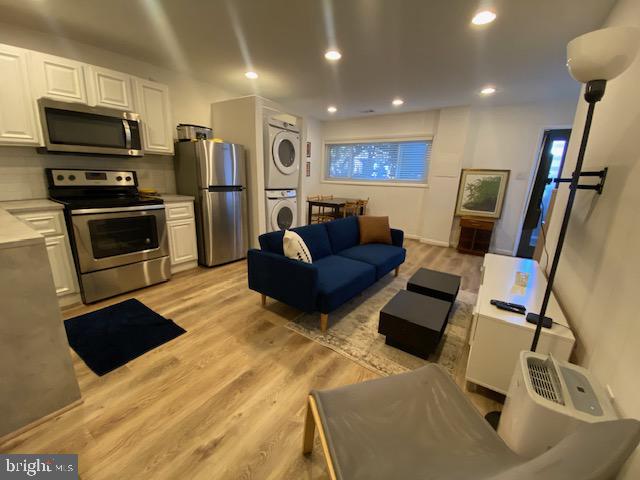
483 17
397 102
332 109
488 90
251 75
333 55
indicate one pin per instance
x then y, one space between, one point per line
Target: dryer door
283 215
285 152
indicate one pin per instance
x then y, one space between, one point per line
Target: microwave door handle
127 134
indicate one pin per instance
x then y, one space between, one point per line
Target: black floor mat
112 336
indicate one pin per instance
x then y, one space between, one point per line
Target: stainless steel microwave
77 128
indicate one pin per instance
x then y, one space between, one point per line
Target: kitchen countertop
33 205
173 198
14 232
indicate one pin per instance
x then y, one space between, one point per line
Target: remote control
510 307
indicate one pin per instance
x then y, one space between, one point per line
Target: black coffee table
441 285
413 322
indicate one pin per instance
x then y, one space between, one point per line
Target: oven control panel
96 178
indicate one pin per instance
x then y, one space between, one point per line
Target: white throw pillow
295 248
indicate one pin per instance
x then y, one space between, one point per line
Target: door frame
532 177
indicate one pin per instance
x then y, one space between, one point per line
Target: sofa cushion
383 257
341 278
343 233
374 230
295 248
315 236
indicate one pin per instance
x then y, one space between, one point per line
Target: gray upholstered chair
419 425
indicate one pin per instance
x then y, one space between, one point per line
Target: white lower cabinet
61 265
181 230
51 225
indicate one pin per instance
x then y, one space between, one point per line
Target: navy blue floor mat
112 336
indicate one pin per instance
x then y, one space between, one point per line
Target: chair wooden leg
264 299
397 272
324 322
323 441
309 430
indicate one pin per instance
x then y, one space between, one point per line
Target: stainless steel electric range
118 237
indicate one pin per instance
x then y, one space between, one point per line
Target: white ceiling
425 51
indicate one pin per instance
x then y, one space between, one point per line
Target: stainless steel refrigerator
215 174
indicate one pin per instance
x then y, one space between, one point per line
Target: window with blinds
393 162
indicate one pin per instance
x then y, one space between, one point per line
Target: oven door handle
127 133
89 211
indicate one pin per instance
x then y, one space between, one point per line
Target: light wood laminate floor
226 400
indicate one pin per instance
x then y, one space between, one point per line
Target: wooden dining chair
350 208
320 214
314 209
326 213
362 210
355 207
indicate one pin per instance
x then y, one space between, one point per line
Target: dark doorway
554 149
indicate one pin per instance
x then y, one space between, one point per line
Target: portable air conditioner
547 400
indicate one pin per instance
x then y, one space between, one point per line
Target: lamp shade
602 54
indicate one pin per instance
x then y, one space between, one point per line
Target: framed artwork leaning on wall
481 192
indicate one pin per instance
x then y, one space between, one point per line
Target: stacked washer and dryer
282 167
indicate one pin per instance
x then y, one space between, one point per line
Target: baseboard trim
437 243
411 236
16 433
428 241
181 267
502 251
69 301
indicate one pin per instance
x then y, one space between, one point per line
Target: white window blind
394 162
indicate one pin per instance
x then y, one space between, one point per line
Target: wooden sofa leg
324 322
264 299
309 430
397 272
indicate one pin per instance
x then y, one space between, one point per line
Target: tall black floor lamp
593 58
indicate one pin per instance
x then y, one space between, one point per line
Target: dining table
336 203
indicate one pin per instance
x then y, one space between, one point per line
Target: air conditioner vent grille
544 380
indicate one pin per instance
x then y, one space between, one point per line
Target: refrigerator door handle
225 188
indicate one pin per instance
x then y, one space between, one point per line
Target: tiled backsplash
22 171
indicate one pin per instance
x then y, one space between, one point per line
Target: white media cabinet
497 336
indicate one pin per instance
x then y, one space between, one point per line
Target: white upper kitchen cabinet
152 103
18 124
57 77
108 88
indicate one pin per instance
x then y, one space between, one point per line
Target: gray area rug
353 331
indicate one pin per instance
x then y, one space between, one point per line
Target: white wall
490 137
22 169
402 204
510 137
312 132
449 147
599 272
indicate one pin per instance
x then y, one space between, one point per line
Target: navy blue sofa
341 268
